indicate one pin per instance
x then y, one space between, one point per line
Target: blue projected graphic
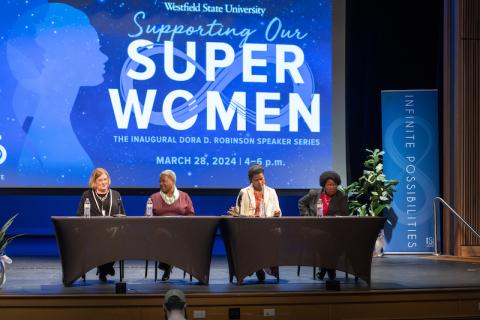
203 88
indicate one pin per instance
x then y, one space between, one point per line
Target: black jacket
338 206
116 201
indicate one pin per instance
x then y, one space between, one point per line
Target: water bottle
149 211
319 207
86 208
262 209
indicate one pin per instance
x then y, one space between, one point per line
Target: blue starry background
133 164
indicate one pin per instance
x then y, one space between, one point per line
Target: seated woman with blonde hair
104 202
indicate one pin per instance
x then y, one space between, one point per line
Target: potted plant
372 193
4 241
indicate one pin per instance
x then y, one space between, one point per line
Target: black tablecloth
185 242
341 243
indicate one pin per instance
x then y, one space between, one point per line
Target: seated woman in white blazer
258 200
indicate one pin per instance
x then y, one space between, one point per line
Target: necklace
258 193
102 200
100 197
326 198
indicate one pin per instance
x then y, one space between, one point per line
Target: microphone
119 205
235 211
239 199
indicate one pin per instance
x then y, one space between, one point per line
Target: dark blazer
117 204
338 206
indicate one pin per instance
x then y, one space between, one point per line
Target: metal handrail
435 220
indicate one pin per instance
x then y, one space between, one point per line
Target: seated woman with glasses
170 201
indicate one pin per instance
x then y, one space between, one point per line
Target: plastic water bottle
86 208
149 211
262 209
319 208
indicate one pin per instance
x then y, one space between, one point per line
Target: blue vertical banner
410 142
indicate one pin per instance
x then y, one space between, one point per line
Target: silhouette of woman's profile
52 51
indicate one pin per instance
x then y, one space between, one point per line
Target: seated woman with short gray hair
170 201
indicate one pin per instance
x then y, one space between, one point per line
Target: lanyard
103 211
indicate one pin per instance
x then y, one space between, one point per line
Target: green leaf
372 192
4 240
7 224
379 210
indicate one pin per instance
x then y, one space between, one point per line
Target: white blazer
246 201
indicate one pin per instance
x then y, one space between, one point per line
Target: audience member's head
175 305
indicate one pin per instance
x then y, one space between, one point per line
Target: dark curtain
393 44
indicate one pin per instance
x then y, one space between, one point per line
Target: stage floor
42 276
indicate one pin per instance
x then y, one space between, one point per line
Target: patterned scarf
169 200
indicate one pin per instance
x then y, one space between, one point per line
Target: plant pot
3 261
379 245
2 273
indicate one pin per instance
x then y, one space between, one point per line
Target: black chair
156 271
277 274
315 274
